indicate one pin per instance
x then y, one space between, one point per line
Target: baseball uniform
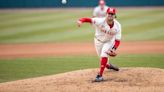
105 36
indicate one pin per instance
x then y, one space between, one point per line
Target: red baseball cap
111 10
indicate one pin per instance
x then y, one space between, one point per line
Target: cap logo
111 9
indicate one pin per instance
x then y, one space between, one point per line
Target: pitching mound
126 80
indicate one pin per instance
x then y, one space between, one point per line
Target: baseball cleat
114 67
99 78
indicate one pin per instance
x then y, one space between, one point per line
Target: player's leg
103 61
104 55
103 58
111 66
98 46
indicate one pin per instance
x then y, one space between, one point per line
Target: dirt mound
126 80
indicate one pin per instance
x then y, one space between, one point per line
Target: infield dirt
61 49
126 80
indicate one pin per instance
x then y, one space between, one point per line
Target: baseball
64 1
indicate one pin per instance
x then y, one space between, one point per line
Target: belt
100 40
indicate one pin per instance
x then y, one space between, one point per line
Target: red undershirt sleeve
117 43
88 20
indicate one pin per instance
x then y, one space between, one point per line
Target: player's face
110 16
102 6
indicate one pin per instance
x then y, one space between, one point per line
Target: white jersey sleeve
97 21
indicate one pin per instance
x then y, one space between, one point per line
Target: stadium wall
75 3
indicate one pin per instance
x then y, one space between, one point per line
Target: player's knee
104 54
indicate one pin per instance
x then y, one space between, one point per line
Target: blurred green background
59 25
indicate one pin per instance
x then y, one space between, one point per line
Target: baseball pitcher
107 38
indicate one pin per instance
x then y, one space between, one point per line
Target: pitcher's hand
111 53
79 23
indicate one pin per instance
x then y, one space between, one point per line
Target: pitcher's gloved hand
112 53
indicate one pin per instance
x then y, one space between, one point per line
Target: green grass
15 69
60 25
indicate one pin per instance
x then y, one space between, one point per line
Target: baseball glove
112 53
